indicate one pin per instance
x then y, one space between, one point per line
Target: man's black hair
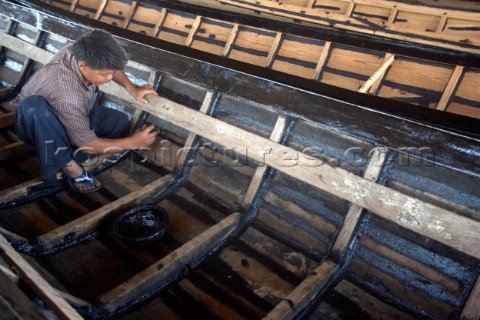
100 50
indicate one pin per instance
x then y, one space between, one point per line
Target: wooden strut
193 31
305 292
231 40
321 61
377 75
450 88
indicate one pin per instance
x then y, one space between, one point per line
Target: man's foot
79 179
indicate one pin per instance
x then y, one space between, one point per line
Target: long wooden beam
28 274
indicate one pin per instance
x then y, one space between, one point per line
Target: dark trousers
37 125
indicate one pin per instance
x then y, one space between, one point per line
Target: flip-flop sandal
86 179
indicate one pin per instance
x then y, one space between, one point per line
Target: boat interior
288 195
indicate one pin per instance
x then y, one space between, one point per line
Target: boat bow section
282 203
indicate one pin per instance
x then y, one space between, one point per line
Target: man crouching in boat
55 110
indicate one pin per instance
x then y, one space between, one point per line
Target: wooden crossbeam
471 310
231 40
193 31
41 287
257 178
377 75
273 49
321 61
161 20
450 88
130 14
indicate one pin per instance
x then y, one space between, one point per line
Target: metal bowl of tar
141 225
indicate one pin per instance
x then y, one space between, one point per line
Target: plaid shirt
70 96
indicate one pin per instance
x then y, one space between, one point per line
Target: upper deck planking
410 79
291 204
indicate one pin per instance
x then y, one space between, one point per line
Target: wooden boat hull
276 210
427 76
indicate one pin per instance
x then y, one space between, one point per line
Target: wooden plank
471 310
311 3
273 50
231 40
25 48
322 60
429 220
304 293
450 88
7 119
94 219
161 20
37 283
193 31
171 265
377 75
257 178
377 161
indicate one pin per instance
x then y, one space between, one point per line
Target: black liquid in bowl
141 225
